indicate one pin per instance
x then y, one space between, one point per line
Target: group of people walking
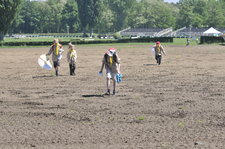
110 61
56 51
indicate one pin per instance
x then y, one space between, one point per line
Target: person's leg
70 66
56 68
73 70
114 87
57 65
160 58
108 86
156 58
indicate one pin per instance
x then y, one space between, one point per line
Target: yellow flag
57 49
110 60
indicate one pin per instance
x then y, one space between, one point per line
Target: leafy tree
216 14
106 19
153 14
55 16
70 18
83 15
121 10
31 17
89 12
8 10
94 13
185 14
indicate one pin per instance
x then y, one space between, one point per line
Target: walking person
158 50
111 61
56 51
72 58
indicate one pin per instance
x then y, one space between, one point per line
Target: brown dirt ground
177 105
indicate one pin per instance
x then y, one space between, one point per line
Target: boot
108 92
71 71
56 73
114 92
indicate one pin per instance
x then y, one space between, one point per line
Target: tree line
105 16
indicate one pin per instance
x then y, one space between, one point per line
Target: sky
174 1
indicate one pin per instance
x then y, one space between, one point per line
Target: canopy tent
211 32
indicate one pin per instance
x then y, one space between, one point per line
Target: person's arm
163 51
68 56
118 68
118 64
50 51
103 64
75 55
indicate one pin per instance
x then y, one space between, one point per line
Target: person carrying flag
56 51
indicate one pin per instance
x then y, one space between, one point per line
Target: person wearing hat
72 58
56 51
111 61
158 50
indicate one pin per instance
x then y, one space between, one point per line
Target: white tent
211 32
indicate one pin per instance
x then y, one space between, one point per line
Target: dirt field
177 105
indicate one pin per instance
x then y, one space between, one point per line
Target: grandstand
158 32
189 32
143 32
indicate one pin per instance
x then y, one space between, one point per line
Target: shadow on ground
92 96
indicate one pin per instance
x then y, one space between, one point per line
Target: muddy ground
177 105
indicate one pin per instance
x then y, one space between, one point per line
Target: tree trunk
84 31
91 32
1 36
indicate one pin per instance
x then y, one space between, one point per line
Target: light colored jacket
159 50
72 56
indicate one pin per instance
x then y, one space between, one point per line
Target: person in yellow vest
56 51
158 50
111 61
72 58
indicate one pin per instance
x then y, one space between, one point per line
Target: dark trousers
158 59
72 69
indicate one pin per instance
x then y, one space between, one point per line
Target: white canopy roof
211 30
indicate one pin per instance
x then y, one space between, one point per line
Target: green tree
94 14
185 14
153 14
216 13
89 12
121 10
70 18
83 14
55 15
106 19
31 17
8 10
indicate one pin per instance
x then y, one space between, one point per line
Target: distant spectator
188 42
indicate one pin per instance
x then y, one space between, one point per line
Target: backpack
110 59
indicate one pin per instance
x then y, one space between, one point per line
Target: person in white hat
111 61
72 58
